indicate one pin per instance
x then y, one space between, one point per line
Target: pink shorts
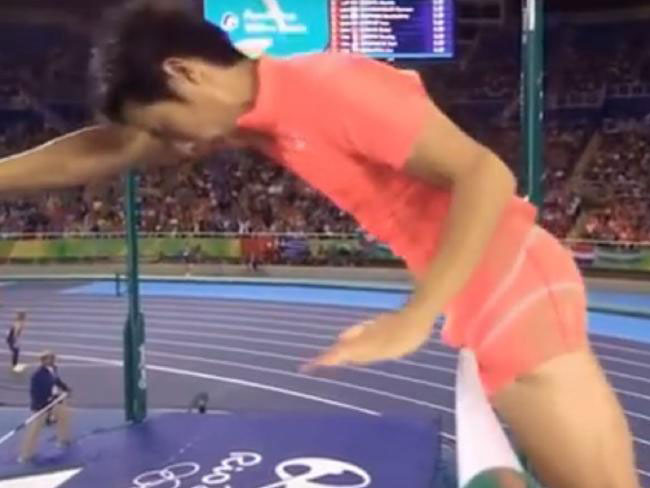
524 305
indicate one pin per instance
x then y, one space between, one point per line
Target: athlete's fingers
336 356
353 332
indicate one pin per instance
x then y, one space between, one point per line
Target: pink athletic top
346 125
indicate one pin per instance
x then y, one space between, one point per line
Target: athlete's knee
598 446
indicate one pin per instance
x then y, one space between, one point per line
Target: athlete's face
176 121
204 110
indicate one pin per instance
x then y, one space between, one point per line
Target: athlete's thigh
568 421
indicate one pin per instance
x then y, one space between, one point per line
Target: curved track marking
223 379
297 359
314 379
213 335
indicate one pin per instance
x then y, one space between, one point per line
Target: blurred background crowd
597 158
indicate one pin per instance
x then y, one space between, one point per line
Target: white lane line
624 361
247 319
296 359
36 326
247 328
67 366
249 324
201 317
432 367
197 315
632 394
639 416
50 319
244 318
278 372
440 354
213 335
223 379
627 376
300 359
267 308
158 411
616 347
218 325
211 325
449 437
400 377
264 330
223 321
197 318
211 304
154 328
295 345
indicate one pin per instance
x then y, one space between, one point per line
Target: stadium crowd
240 191
621 170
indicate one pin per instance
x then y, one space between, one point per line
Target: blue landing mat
251 451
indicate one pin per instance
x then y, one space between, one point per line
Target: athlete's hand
388 336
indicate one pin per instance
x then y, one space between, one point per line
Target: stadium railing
292 248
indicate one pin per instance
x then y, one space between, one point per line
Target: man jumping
367 136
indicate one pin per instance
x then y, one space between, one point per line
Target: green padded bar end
502 478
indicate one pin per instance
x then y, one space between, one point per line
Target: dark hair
134 42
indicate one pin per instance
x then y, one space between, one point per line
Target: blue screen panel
277 27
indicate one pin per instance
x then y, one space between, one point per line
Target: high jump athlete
367 136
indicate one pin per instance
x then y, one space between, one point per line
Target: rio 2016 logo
311 470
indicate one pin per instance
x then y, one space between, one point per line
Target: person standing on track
13 339
45 387
368 136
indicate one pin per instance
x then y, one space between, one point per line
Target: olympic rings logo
170 477
311 469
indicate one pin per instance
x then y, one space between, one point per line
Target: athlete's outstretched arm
481 186
78 158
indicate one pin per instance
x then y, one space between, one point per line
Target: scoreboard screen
394 28
377 28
